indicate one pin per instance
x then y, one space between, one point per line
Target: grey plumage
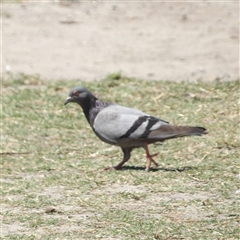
126 127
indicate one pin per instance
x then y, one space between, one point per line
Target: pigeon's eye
76 93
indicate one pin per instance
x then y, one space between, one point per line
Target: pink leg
149 158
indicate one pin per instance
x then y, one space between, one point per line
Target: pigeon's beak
68 100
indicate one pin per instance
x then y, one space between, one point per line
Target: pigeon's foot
119 166
155 163
149 161
108 168
150 158
112 168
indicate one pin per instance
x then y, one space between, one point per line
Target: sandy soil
88 40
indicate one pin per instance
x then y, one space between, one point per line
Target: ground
52 178
147 40
52 183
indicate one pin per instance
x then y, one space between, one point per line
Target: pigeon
125 127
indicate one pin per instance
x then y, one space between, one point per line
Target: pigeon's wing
115 123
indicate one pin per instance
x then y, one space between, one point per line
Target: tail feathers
170 131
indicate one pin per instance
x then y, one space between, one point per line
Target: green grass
52 159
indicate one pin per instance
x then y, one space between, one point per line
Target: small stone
50 209
237 191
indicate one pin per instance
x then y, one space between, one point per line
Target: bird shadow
166 169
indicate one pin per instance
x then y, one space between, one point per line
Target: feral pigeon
126 127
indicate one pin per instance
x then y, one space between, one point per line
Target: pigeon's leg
126 157
149 158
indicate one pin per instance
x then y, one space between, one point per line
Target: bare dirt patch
172 41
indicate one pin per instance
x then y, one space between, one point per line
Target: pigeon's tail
169 131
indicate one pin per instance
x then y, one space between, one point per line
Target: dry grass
53 186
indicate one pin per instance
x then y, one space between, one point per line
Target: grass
53 186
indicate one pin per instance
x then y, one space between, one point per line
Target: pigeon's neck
87 106
91 107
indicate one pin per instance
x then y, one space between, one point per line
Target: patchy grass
53 186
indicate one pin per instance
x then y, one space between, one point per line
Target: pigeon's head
79 95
